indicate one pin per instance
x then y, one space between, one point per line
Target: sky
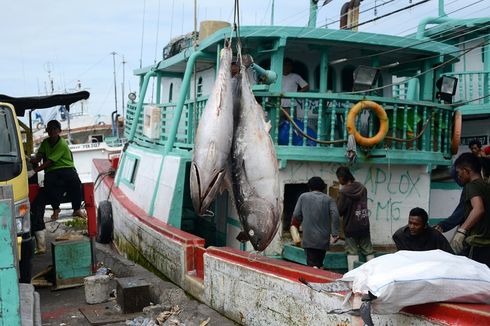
70 42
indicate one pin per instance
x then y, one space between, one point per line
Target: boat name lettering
85 146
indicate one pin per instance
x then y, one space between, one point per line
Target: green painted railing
472 85
323 116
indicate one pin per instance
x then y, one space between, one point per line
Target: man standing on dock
319 215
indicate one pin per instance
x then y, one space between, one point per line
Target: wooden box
72 262
133 294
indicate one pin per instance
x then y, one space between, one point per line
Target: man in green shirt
473 237
60 174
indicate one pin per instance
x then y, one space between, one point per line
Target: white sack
408 278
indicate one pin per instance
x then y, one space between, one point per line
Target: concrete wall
253 297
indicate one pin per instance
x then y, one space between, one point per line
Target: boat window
130 170
199 87
347 78
170 92
96 138
10 155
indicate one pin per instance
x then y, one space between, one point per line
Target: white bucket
97 288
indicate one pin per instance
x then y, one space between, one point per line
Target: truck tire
105 223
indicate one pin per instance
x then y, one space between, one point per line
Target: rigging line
156 34
361 12
269 4
425 41
74 80
391 13
398 34
445 15
419 74
437 55
172 20
468 101
458 34
142 32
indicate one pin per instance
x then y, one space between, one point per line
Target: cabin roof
340 42
456 26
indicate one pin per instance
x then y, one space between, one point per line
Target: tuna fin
242 237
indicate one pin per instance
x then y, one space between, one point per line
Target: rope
411 139
325 142
301 132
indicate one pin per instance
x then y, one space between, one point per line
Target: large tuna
255 171
213 139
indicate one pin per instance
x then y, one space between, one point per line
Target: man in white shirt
291 82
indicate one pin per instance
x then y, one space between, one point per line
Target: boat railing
472 86
414 127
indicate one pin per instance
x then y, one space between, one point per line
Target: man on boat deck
352 205
418 235
292 82
476 148
60 174
472 239
319 215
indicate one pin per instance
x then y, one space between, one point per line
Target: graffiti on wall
390 189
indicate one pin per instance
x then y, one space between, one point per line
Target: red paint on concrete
199 261
277 267
58 313
461 314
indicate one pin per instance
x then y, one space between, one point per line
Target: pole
272 13
114 123
123 81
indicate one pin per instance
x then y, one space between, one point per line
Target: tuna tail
203 195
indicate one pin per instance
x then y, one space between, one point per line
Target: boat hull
249 289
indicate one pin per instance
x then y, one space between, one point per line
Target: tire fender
105 223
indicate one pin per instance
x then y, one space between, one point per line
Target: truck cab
13 171
16 146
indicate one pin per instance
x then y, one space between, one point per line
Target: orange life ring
383 123
456 139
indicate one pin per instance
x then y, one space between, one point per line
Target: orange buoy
456 138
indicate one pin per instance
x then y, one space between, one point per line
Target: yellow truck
13 171
15 148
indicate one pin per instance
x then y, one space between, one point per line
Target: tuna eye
251 233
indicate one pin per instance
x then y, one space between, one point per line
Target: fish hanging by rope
255 172
213 139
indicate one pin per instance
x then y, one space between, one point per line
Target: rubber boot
369 257
350 261
40 241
